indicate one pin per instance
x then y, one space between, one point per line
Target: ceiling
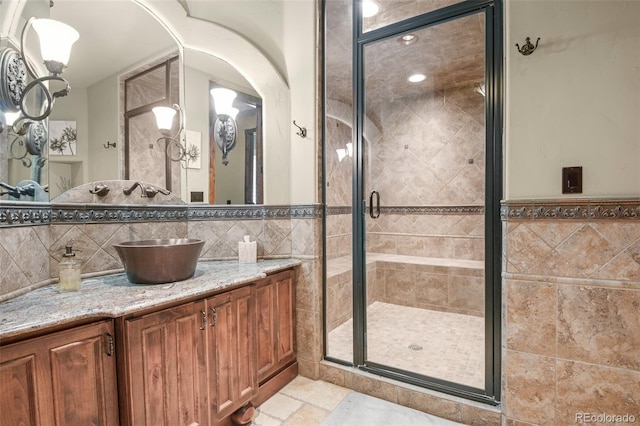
450 55
114 36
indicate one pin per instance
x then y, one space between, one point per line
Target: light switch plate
572 180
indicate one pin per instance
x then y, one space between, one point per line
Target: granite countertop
112 296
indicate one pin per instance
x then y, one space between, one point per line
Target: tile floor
452 345
303 402
306 402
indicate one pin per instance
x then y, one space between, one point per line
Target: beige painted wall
576 100
299 47
104 127
195 84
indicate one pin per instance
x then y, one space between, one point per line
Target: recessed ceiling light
408 39
417 78
369 8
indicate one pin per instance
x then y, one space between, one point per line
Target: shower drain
415 347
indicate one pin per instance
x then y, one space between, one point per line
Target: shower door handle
377 212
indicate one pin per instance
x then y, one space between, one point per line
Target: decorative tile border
27 214
225 212
100 213
15 214
335 210
254 212
415 210
571 210
306 211
435 210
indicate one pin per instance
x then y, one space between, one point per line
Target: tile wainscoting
571 297
32 239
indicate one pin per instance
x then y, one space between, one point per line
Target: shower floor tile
443 345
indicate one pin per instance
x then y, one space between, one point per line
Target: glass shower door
423 162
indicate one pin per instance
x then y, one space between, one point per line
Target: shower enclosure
412 174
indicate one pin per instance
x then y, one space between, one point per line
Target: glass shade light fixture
164 120
164 117
56 39
225 128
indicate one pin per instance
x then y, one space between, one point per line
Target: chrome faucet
149 191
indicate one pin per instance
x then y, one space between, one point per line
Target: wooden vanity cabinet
190 365
165 376
63 378
193 364
276 347
233 377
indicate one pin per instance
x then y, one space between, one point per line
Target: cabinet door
166 367
65 378
276 345
231 348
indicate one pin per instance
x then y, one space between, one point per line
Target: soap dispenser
69 270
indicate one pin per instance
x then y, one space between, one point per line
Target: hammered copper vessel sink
159 261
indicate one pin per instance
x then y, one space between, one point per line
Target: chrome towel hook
303 130
527 48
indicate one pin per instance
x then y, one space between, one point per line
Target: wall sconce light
56 40
345 152
164 120
225 127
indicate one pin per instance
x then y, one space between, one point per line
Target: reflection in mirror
146 156
117 41
23 142
237 142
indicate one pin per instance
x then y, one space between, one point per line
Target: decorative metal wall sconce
527 48
56 40
109 144
303 130
164 119
32 143
225 127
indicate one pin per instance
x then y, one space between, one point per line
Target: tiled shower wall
571 298
420 160
430 169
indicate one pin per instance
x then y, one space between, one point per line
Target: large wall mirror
125 63
23 157
228 173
